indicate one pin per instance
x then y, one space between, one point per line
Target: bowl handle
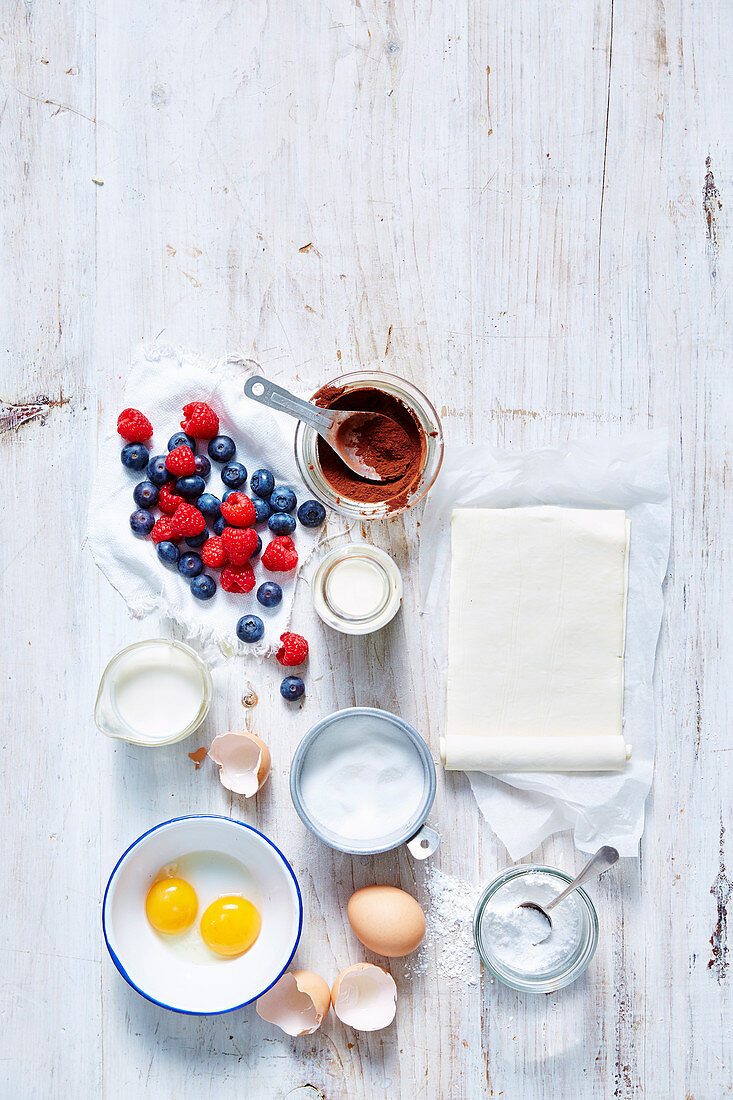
423 843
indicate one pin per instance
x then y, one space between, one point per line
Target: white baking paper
629 473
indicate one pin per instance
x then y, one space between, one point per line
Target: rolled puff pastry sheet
536 640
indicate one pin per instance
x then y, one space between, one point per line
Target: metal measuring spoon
340 429
603 859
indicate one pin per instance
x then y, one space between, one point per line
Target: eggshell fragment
365 997
386 920
244 761
298 1003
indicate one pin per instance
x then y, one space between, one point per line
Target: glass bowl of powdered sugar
509 937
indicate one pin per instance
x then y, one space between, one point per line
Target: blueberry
168 552
269 594
233 475
292 688
311 513
179 438
282 499
145 494
203 587
219 524
190 565
228 493
250 628
190 487
203 466
262 483
262 509
156 471
257 548
209 505
221 448
282 523
197 540
142 522
135 456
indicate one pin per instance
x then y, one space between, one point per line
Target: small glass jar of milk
154 692
357 589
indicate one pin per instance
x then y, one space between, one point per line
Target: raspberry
237 578
239 544
163 530
181 461
294 649
238 510
134 426
281 555
187 521
213 553
168 500
201 421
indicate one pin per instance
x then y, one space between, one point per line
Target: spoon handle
275 397
603 859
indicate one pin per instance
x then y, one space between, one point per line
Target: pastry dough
536 640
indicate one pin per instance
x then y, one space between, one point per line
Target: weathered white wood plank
50 954
506 204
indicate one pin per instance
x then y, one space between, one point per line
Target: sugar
511 933
362 780
449 909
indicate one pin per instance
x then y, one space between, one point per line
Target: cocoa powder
395 454
383 445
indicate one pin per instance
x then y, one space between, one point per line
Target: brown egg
386 920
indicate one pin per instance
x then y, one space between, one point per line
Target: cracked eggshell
365 997
298 1003
244 761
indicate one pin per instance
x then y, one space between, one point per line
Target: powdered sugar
449 906
520 939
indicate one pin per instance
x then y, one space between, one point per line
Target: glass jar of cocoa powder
338 487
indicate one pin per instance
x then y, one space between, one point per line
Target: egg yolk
171 906
230 925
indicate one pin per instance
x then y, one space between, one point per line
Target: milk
153 693
357 587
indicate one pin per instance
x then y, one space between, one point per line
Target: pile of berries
176 486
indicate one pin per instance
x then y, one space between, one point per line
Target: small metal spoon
603 859
339 429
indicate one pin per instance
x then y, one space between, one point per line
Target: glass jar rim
358 625
547 983
417 402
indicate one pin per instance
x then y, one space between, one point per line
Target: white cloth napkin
160 383
629 473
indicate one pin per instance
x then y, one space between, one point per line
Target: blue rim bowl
134 873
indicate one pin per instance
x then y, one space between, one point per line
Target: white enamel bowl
146 961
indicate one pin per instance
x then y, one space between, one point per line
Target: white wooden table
524 208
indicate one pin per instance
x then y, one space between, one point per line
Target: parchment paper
630 473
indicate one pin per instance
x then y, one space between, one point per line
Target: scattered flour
449 906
